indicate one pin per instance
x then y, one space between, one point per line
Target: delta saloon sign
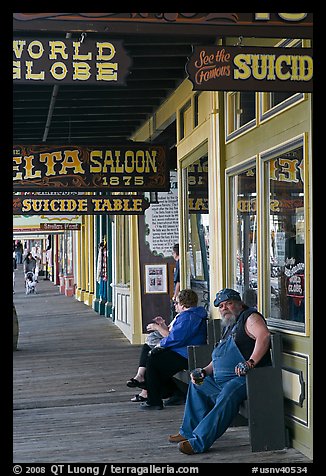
221 68
134 167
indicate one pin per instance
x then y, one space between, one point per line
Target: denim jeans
211 407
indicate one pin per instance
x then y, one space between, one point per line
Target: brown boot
186 448
176 438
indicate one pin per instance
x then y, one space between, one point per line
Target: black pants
143 355
160 368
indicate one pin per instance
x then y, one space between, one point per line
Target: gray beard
228 321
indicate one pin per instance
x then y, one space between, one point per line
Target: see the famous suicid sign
246 68
69 61
134 167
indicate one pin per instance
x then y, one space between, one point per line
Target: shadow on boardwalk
71 403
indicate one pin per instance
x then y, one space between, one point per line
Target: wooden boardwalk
71 402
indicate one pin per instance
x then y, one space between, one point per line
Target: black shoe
147 406
133 383
176 399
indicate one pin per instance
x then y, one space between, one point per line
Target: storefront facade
252 227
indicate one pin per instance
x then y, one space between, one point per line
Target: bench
263 410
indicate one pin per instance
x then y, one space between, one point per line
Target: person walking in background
176 279
15 267
176 274
217 390
29 263
19 252
37 266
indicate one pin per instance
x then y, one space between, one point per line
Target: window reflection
287 236
198 230
245 237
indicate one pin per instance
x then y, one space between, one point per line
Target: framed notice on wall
156 279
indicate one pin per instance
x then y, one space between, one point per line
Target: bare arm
257 330
176 291
162 328
209 368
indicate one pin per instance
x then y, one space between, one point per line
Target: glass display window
272 103
123 249
197 243
240 112
243 235
284 173
275 102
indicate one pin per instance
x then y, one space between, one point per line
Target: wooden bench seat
264 407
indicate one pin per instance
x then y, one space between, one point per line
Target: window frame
265 111
231 115
231 224
302 329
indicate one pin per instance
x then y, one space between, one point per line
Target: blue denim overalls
211 407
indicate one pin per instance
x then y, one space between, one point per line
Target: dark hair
188 298
176 248
28 257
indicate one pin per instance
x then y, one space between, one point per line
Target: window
123 249
273 103
285 172
198 230
185 120
278 97
196 109
243 236
241 112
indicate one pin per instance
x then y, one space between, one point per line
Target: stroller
30 283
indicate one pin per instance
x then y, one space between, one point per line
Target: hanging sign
276 25
85 205
69 61
60 226
134 167
227 68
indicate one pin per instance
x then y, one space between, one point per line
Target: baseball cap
226 294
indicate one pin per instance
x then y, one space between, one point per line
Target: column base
80 294
61 284
88 298
69 286
102 307
99 306
108 310
95 304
